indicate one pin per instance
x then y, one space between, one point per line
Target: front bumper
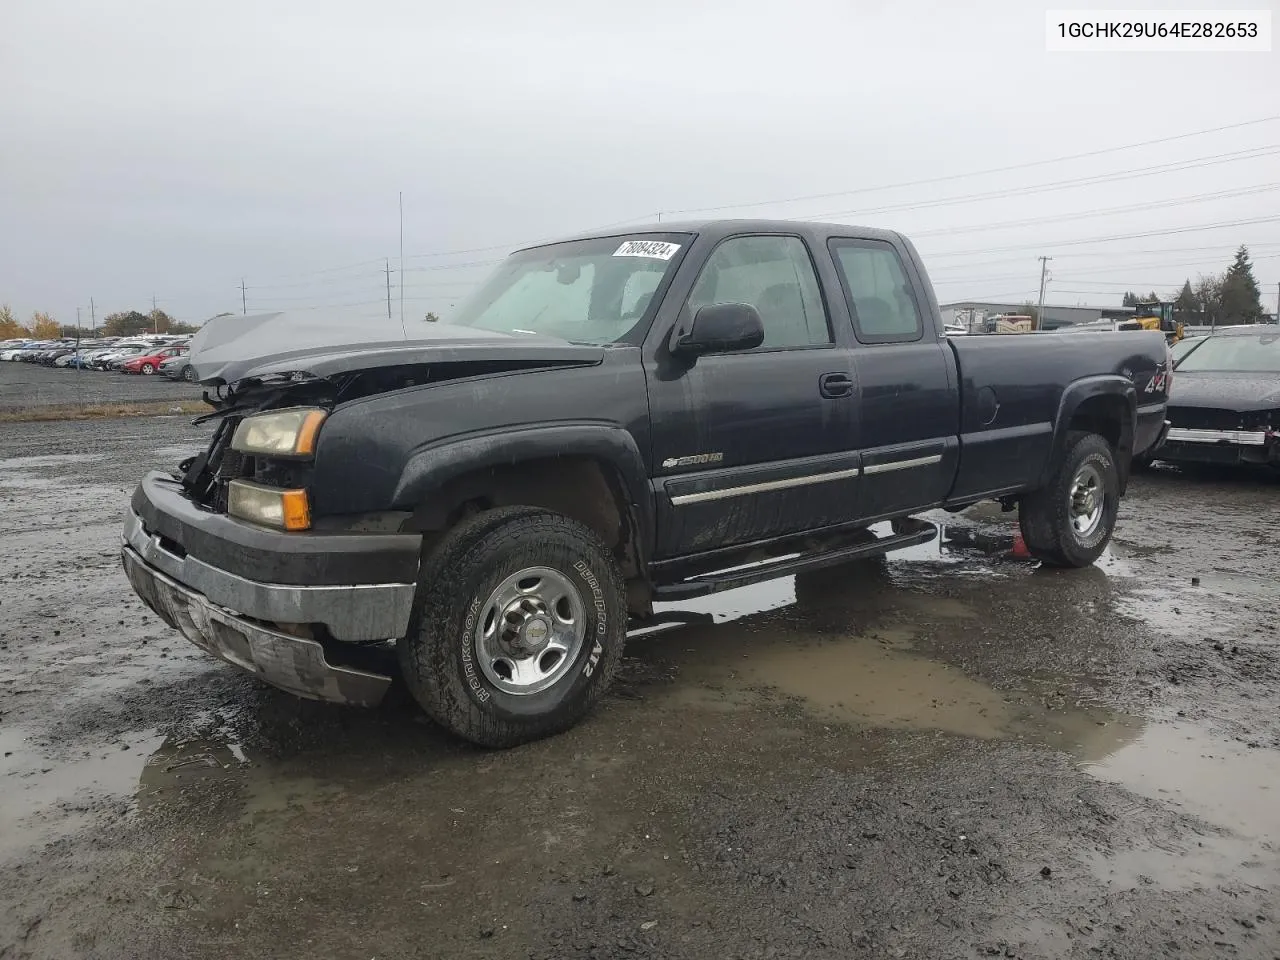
254 596
1191 445
294 664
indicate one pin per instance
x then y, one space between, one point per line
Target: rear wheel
1069 522
518 626
148 368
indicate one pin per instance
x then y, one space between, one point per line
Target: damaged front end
242 552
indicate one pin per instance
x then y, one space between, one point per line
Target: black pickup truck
609 421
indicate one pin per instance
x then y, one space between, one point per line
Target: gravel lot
27 386
948 754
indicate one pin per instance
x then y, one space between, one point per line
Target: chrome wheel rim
530 631
1086 500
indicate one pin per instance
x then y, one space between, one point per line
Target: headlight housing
280 433
269 506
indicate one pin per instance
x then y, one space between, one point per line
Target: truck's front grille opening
204 477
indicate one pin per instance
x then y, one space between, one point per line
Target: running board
908 532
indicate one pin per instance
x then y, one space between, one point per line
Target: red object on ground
1020 546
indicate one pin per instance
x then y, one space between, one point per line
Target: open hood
322 343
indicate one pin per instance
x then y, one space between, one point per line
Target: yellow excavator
1156 315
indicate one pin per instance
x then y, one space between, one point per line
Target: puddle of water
1228 785
1223 782
41 796
733 604
180 765
176 765
871 679
1178 610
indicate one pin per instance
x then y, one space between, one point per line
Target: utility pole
77 323
402 327
92 318
155 318
1044 276
387 271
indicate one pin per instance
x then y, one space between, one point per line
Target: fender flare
431 466
1076 393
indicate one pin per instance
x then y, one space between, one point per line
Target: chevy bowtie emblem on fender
693 460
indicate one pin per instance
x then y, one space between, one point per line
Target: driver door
761 443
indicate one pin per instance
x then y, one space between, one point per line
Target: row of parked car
145 356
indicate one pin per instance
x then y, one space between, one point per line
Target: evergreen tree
1186 299
1240 300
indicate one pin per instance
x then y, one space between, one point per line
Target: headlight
269 506
281 433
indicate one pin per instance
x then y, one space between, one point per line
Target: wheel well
1107 416
591 492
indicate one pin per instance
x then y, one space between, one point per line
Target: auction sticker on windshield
656 249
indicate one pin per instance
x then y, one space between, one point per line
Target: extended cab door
758 443
909 405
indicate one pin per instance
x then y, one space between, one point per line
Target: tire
188 374
148 369
466 677
1054 526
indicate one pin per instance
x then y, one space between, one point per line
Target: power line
1136 173
1112 254
525 242
1251 153
979 173
1107 211
455 266
1003 193
1108 239
1193 163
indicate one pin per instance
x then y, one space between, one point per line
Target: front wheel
517 629
1069 522
148 369
188 374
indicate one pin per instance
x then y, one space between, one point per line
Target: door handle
833 385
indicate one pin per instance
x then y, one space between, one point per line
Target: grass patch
105 411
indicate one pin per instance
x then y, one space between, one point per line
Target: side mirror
721 328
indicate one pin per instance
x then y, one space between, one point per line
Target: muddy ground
949 754
30 386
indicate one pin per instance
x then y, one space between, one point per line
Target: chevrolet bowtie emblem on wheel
693 460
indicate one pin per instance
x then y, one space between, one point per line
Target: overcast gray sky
172 148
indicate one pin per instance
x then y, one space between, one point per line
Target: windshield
1235 355
584 291
1183 347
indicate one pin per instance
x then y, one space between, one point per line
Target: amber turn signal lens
306 442
297 511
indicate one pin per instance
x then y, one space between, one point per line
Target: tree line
125 323
1223 299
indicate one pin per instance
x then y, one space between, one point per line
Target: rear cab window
881 299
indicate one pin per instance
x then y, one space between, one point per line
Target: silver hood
323 342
